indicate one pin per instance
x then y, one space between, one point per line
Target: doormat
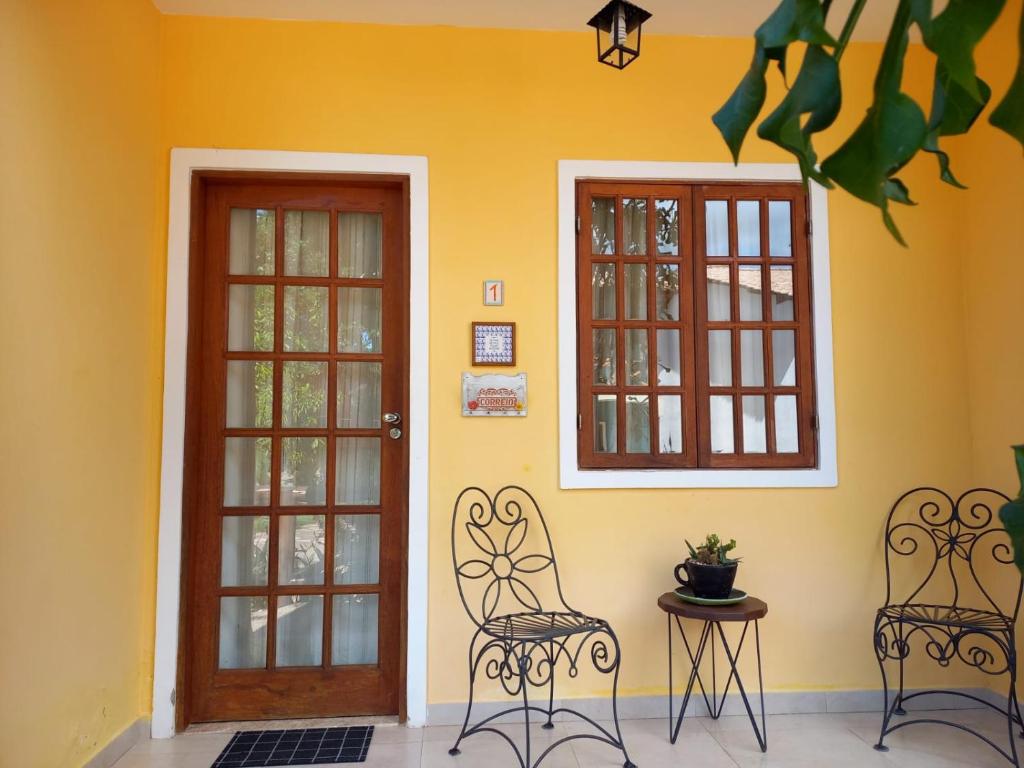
303 746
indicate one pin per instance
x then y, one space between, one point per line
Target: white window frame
825 475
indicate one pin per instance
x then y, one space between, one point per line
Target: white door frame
168 597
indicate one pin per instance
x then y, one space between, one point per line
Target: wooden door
296 460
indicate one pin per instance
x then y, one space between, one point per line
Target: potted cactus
710 572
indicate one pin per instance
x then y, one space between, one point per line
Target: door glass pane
637 362
787 437
750 291
670 424
782 293
748 227
250 318
780 238
357 471
300 549
666 292
251 242
634 226
354 629
602 225
722 438
602 291
605 418
303 465
636 291
716 227
604 356
244 544
250 393
784 358
304 394
667 227
752 358
300 630
247 472
359 249
720 358
754 435
670 364
719 298
305 318
307 242
243 632
356 549
359 395
359 321
638 424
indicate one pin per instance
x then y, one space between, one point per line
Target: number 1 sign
494 293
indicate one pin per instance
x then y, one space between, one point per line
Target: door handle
392 418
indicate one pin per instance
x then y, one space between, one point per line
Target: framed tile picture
494 343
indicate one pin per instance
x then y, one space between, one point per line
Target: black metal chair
508 582
964 605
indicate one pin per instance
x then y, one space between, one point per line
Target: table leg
762 732
695 661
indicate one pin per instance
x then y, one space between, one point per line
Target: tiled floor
794 741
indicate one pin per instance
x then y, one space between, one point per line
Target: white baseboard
116 748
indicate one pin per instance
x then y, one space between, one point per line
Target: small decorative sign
494 293
494 343
493 394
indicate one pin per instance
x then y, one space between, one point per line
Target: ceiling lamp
618 32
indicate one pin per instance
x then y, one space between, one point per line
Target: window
695 346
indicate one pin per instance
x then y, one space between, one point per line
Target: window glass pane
782 293
359 244
354 629
719 299
359 323
716 227
304 394
307 242
636 292
779 228
303 471
356 549
305 319
300 549
605 418
637 360
359 395
748 227
638 424
243 633
250 318
722 438
251 242
602 225
720 358
784 358
754 440
247 472
250 393
667 227
634 226
602 289
787 438
244 544
670 424
750 291
751 358
666 292
670 365
300 630
357 471
604 356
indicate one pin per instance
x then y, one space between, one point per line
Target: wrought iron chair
508 582
964 608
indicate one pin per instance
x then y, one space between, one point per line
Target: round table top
749 609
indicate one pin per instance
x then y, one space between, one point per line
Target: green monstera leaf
1009 114
1012 514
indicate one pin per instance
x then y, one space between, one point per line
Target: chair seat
541 625
948 616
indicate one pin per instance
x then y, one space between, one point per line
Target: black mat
304 746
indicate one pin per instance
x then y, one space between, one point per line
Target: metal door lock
395 433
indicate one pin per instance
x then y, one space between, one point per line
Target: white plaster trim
183 162
120 744
571 476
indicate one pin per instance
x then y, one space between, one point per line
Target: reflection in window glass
604 356
787 438
754 435
748 227
722 434
667 227
666 292
307 238
300 630
634 226
670 424
243 633
300 549
750 291
780 238
638 424
636 291
605 419
354 629
602 291
716 227
247 472
251 242
669 361
244 547
719 296
303 471
602 225
305 318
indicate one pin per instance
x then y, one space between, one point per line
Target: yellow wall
78 313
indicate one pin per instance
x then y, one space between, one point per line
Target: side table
713 616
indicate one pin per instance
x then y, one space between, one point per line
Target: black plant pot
709 581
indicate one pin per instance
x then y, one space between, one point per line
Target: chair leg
615 701
899 710
523 669
880 655
551 689
1012 708
469 706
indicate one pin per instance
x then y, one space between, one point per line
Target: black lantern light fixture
618 32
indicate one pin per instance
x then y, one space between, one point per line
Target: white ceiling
719 18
